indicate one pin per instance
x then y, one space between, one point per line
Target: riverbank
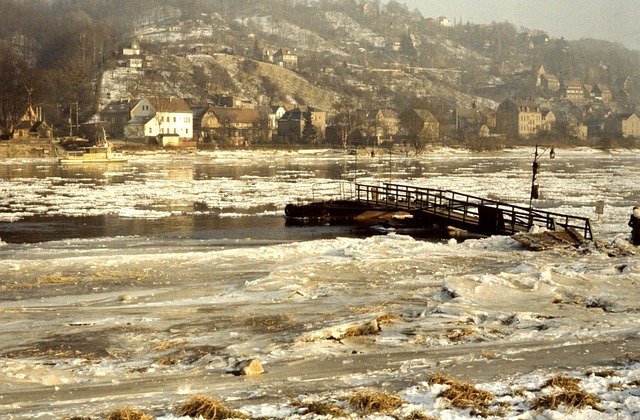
25 148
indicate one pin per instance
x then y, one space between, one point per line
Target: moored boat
92 154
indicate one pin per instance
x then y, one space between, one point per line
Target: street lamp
535 188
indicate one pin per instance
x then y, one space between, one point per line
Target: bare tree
349 117
16 88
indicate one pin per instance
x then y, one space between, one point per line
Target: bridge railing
467 209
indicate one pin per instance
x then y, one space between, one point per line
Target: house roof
237 115
285 51
387 113
573 84
173 105
519 102
120 106
199 111
139 120
425 115
547 113
625 116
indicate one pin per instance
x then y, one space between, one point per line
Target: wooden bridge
474 214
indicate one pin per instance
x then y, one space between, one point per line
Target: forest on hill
55 52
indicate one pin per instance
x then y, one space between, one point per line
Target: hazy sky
611 20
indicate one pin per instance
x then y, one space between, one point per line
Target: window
174 119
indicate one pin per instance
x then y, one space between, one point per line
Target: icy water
139 284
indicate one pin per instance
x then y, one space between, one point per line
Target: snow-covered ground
149 318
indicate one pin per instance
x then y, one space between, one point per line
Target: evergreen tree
309 131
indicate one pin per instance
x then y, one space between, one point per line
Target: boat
100 152
92 154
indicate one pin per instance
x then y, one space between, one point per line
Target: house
115 116
387 123
133 50
549 82
133 56
158 117
141 123
625 125
601 92
572 90
548 120
467 117
275 113
291 125
198 115
286 58
518 118
32 125
233 126
173 116
445 22
420 122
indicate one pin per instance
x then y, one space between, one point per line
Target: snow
151 317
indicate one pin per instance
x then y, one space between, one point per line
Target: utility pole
535 187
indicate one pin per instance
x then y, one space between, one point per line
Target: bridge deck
467 212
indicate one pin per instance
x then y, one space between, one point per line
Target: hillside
378 58
366 53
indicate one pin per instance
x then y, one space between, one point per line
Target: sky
611 20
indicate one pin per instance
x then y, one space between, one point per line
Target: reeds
208 408
461 394
369 401
129 414
566 391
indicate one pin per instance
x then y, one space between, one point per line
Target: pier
430 207
474 214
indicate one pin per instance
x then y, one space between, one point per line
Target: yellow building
518 118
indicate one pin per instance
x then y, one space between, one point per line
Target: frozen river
139 284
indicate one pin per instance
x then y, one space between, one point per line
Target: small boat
93 154
100 152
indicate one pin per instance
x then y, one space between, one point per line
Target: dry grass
562 382
368 401
322 409
368 328
388 318
458 335
62 279
132 275
168 344
461 394
208 408
129 414
566 392
55 279
419 415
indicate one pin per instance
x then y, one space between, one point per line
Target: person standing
634 223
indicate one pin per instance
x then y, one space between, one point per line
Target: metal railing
467 210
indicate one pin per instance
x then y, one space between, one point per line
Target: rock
247 367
